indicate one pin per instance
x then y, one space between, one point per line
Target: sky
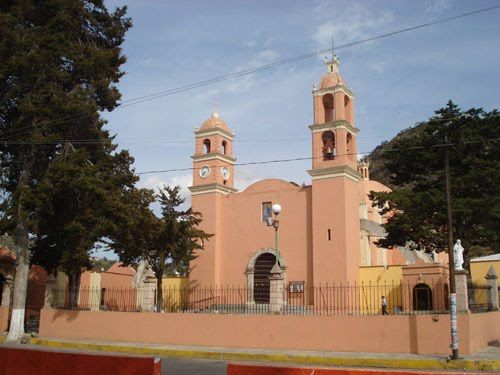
397 81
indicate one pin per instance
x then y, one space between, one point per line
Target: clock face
204 171
224 172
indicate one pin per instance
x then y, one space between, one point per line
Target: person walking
384 306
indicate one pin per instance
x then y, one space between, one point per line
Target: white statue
458 256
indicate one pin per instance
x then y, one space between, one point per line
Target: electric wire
194 85
311 157
185 141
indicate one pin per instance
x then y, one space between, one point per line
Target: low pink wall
425 334
4 319
484 328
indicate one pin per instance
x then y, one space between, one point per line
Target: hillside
377 157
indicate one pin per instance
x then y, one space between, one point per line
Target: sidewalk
487 359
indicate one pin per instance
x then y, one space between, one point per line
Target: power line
198 84
185 141
153 141
313 157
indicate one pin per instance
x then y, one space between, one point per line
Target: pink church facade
325 228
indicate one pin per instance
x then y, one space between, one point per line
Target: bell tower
335 180
213 160
213 179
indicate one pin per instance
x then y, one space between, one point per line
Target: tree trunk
159 292
16 330
74 288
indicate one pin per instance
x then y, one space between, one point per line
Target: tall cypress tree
59 64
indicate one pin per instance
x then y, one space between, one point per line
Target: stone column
148 294
250 281
276 297
283 274
491 278
50 286
461 287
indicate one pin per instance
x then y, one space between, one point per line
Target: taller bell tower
213 179
335 180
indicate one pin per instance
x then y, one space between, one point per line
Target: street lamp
275 224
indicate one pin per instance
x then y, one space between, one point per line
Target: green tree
59 64
80 199
167 243
418 203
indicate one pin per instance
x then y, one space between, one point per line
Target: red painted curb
24 361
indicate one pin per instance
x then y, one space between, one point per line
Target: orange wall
111 280
425 334
4 319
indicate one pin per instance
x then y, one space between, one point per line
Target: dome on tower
214 122
332 76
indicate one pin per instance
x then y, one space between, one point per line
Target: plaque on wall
296 287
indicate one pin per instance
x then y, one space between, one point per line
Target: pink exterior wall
239 230
205 269
335 207
423 334
484 328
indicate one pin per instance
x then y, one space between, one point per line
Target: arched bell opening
329 107
348 109
328 149
350 146
206 145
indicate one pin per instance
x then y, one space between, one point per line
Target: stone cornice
214 131
316 128
211 188
214 156
333 90
333 172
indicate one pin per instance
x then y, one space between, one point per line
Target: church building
327 229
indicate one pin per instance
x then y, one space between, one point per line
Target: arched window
224 147
422 297
349 146
206 143
328 145
329 107
347 108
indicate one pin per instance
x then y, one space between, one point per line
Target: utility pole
451 260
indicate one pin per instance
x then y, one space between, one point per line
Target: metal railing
299 298
478 297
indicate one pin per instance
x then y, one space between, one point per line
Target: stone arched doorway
422 297
258 270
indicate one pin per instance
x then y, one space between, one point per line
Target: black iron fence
478 297
297 298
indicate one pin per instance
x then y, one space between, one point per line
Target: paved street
177 366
